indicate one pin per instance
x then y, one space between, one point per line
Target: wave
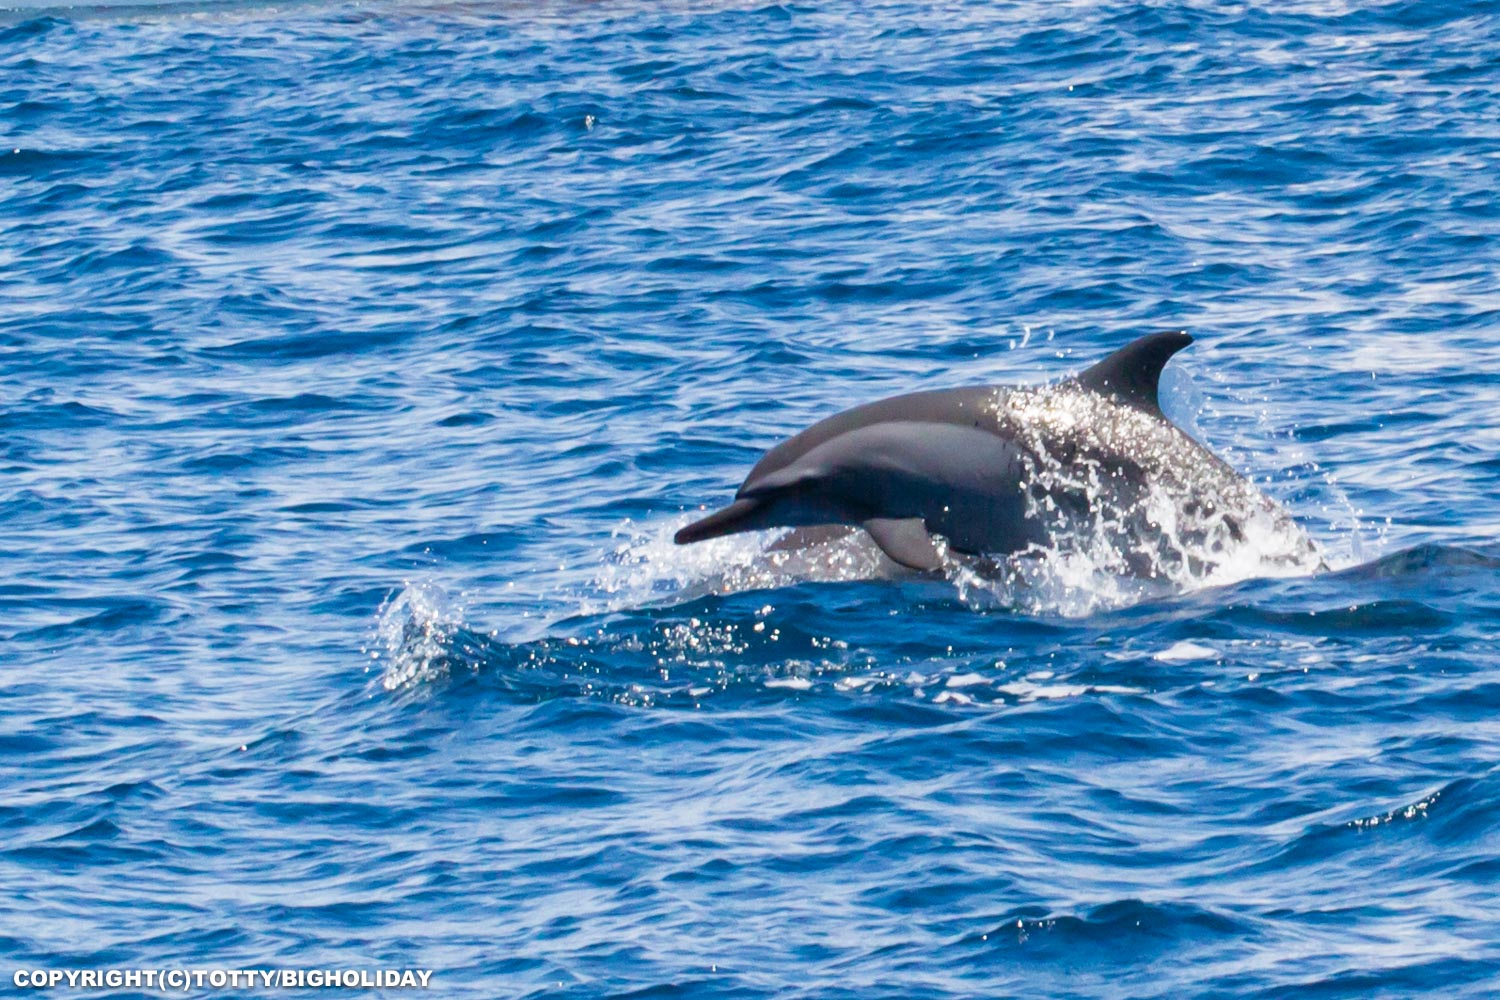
40 16
1461 811
1128 926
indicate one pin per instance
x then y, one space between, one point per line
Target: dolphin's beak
725 521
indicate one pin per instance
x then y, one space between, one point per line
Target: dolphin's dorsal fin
1132 373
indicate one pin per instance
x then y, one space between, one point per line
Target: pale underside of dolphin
997 470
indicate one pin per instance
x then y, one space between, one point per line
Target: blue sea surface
359 361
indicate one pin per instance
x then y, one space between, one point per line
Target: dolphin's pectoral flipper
1131 374
906 541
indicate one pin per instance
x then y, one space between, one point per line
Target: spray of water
414 636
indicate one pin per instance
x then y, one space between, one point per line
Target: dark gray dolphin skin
996 470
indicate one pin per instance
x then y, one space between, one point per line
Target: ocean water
357 363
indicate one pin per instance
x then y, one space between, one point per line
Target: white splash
648 567
1026 691
1178 519
1183 652
414 631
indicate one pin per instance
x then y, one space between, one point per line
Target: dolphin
1090 461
